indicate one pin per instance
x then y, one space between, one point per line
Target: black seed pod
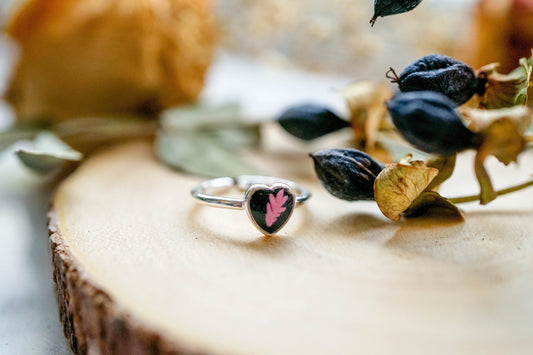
392 7
442 74
427 120
348 174
310 121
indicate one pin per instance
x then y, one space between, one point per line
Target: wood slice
141 268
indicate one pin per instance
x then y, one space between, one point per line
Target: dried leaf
505 90
47 154
398 185
502 140
365 100
501 132
486 193
445 165
431 202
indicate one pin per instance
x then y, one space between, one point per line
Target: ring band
268 201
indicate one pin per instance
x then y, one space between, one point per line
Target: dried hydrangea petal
367 112
505 90
500 134
398 185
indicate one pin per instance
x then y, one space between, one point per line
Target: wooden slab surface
142 268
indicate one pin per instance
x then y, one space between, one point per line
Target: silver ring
268 201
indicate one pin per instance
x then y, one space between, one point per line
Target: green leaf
47 153
201 154
430 202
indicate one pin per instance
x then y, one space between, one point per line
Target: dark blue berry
436 72
348 174
428 121
310 121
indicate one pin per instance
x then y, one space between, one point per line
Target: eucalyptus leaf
17 133
198 116
47 153
88 133
235 136
201 154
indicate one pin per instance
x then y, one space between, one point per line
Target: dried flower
88 57
399 184
505 90
367 112
501 134
347 174
310 121
428 121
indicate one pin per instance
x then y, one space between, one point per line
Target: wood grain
141 268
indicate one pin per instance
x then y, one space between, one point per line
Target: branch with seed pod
425 113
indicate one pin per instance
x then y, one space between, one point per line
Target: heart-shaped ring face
269 207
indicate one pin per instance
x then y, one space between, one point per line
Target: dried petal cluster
398 185
92 57
505 90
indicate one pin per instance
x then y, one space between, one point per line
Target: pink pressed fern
275 207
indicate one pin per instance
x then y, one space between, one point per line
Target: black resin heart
270 207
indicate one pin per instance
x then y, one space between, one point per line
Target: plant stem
508 190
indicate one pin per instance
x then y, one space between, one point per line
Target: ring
268 201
